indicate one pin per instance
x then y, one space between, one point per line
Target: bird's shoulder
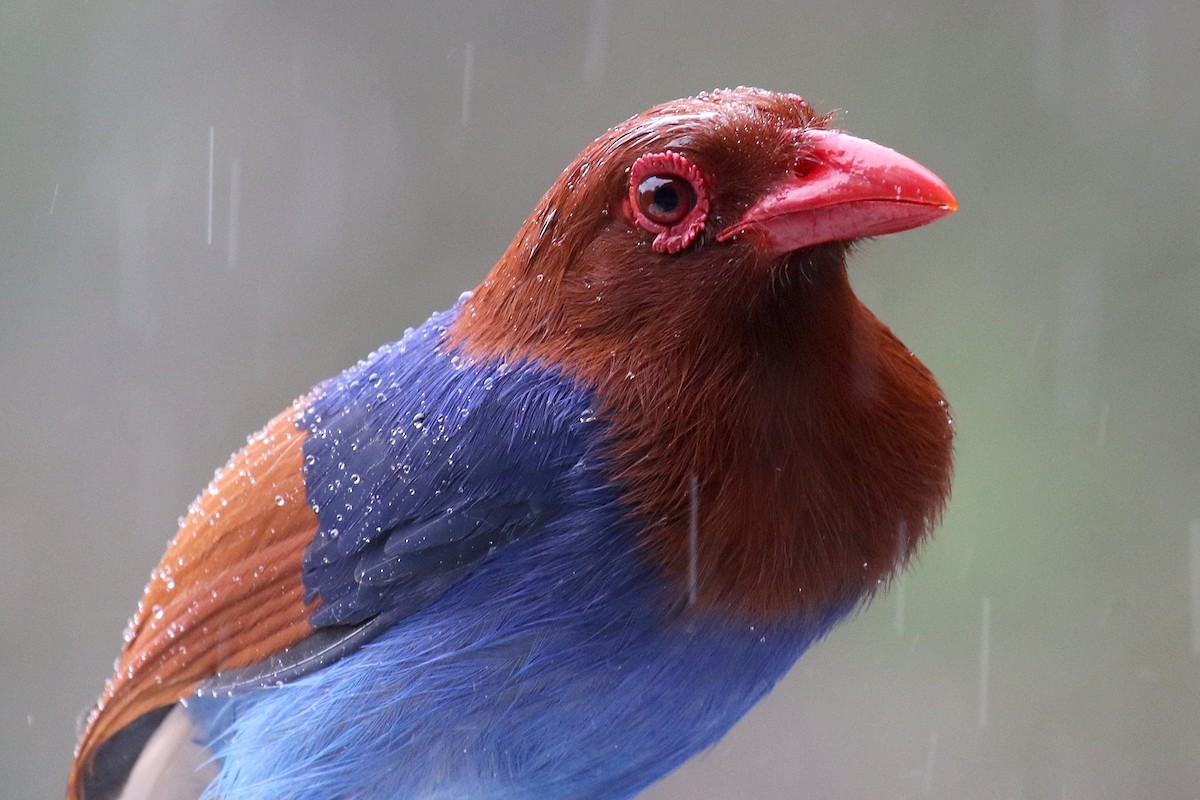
361 503
420 461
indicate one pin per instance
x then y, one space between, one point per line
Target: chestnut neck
820 446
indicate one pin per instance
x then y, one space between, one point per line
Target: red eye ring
668 196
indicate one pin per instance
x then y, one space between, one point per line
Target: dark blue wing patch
420 463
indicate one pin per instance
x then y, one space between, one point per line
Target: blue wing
419 466
518 644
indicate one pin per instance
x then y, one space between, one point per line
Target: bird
559 538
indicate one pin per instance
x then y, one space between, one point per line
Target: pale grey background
372 160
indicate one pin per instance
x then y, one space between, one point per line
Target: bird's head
690 209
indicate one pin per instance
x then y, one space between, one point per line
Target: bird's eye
665 199
668 196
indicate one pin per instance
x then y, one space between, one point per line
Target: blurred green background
370 161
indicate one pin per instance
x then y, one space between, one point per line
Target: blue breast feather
538 654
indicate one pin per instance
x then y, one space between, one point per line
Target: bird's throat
791 459
818 446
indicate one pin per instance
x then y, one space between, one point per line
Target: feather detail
227 593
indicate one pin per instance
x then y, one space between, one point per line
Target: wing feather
228 592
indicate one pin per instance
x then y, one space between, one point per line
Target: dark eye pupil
665 199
